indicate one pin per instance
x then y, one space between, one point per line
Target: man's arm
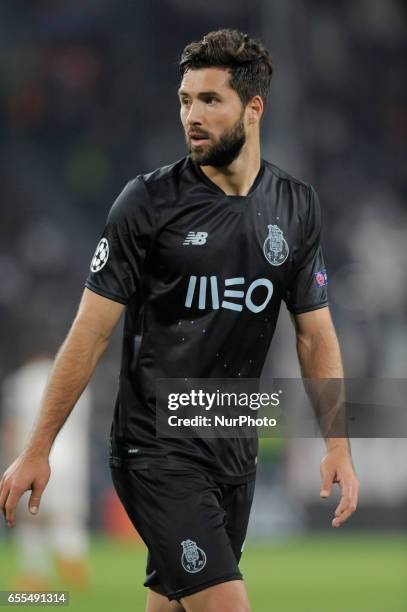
71 372
319 356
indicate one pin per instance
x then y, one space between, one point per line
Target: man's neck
239 176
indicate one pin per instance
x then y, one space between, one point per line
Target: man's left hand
336 467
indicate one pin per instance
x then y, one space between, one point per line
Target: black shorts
194 527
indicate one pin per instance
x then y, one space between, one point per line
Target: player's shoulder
162 185
283 175
140 192
305 193
165 173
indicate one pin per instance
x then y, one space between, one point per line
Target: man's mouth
197 140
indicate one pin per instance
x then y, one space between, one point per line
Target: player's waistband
178 465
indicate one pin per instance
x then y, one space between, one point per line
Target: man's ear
255 109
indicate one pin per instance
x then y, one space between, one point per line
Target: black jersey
202 275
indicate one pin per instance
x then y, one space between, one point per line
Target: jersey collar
220 191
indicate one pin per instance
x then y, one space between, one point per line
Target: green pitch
337 572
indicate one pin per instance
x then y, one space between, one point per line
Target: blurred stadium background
87 102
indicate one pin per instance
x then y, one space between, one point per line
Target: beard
223 152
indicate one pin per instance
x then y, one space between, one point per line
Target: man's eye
211 100
185 101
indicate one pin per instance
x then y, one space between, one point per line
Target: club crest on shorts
101 256
275 246
193 558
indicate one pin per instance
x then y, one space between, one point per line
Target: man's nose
194 116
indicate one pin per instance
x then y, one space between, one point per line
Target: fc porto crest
275 246
193 558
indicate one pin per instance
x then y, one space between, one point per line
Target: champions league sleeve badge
101 256
193 558
275 246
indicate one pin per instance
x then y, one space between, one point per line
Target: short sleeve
116 269
307 287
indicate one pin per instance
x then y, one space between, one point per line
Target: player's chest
245 239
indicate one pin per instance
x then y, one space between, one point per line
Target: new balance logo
195 238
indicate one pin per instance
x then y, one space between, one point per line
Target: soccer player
200 255
58 539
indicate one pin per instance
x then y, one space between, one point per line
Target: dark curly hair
249 62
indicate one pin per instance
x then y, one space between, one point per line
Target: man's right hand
27 473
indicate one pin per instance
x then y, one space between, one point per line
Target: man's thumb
34 501
326 487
